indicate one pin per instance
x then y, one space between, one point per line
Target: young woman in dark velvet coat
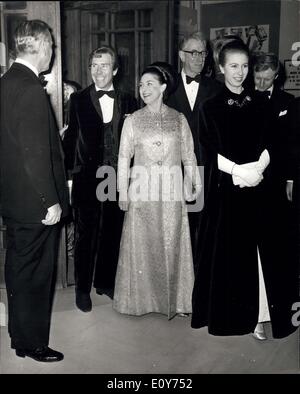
227 297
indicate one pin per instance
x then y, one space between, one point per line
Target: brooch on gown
245 101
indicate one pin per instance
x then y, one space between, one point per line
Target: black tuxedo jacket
178 100
294 140
32 176
84 139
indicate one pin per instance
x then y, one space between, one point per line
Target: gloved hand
192 183
260 167
263 161
243 175
238 181
191 193
246 175
123 200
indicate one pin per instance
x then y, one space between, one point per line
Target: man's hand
53 215
289 191
70 186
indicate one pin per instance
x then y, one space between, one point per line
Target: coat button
159 163
158 143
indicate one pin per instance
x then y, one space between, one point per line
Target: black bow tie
100 93
266 94
197 79
43 80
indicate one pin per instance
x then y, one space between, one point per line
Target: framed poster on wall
256 21
255 36
292 73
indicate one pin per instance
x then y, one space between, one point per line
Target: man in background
279 214
192 90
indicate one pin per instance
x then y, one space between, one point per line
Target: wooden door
141 32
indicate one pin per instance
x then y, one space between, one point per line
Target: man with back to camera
91 141
34 195
192 90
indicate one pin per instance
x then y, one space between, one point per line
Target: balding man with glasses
192 90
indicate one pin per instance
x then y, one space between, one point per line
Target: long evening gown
155 268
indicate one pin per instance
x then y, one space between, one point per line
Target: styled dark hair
263 61
232 46
105 49
165 74
219 43
29 33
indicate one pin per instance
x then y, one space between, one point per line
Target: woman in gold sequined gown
155 268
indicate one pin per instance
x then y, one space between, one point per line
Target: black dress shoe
43 354
83 301
108 292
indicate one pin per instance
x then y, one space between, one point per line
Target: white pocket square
283 112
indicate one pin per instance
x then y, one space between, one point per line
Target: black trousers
29 274
98 229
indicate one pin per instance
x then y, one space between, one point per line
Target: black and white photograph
150 190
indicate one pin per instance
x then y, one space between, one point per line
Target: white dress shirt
191 89
107 106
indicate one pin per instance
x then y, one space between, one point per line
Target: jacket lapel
202 94
116 115
95 101
186 108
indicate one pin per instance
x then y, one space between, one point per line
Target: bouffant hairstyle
165 75
233 46
219 43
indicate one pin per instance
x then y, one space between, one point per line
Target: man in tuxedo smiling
92 140
192 90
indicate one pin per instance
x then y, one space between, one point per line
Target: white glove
191 195
244 175
192 183
249 174
263 161
123 200
238 181
225 165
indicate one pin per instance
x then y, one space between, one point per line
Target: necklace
246 100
